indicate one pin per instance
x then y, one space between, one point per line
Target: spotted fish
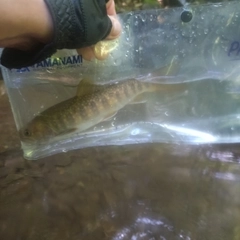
91 105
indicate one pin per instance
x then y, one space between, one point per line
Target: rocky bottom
137 192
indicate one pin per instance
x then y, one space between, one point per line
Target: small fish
91 105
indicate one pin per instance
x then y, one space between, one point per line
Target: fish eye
27 133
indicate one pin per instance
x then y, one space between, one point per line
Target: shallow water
150 191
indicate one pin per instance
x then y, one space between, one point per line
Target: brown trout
91 105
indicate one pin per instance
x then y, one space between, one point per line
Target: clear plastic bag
194 51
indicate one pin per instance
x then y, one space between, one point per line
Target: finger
111 10
116 28
87 53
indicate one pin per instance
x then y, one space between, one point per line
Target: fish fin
111 115
87 86
141 98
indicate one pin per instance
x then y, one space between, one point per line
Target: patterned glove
77 24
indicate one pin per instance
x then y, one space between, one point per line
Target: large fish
91 105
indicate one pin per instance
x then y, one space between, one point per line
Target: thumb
116 28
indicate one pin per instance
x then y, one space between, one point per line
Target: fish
91 105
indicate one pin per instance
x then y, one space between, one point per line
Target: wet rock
4 172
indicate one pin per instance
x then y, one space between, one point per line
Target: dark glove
77 24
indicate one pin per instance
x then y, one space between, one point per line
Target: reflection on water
151 191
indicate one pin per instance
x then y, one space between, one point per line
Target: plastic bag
196 48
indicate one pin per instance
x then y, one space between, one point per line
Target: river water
137 192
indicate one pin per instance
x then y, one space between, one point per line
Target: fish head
36 131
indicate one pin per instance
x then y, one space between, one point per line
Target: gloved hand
77 24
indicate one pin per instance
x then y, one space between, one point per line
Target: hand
32 34
90 53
